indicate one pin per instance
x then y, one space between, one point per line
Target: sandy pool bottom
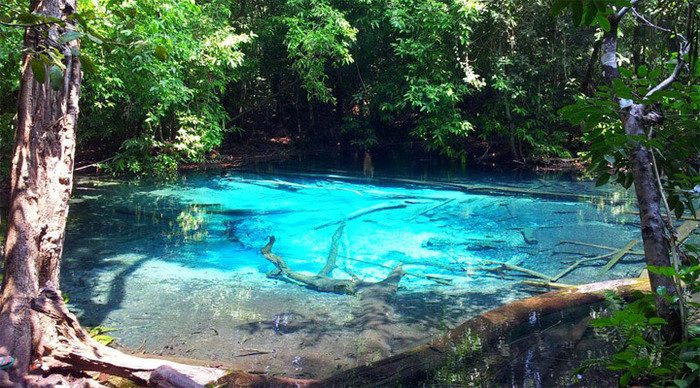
248 321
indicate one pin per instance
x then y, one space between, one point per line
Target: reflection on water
177 267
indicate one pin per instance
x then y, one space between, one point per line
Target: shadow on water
436 309
115 295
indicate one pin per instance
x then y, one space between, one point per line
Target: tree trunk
656 245
40 187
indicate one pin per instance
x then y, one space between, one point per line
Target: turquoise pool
177 268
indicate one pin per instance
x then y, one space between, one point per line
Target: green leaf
693 366
39 70
680 208
87 64
680 383
603 22
661 371
69 36
642 71
664 271
590 13
161 53
576 12
55 77
603 179
95 39
629 179
558 7
657 321
103 339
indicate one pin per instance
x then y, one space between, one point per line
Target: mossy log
322 281
412 367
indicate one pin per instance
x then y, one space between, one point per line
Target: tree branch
682 52
623 11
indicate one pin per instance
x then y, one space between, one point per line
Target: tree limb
322 281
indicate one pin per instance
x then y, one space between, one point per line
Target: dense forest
168 82
141 88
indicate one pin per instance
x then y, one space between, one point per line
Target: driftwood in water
619 255
605 247
434 207
414 366
436 279
616 255
363 212
322 281
502 265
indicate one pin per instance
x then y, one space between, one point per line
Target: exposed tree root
65 349
65 345
322 281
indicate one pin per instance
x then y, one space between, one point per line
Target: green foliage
166 82
676 143
642 356
455 371
360 133
99 334
317 35
528 82
160 81
430 48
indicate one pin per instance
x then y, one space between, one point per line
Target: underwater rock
297 363
280 323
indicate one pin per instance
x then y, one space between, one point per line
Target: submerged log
619 255
414 366
322 281
363 212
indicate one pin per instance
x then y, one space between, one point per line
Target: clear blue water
177 269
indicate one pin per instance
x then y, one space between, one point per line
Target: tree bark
656 244
40 186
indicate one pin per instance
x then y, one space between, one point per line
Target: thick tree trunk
40 187
656 245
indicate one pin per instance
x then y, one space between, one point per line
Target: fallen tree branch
322 281
439 205
502 265
436 279
363 212
619 255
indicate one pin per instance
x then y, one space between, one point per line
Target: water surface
177 269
